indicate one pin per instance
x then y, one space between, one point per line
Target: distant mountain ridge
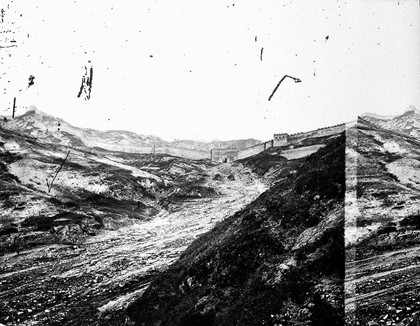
408 122
55 130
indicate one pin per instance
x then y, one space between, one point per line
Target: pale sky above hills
192 69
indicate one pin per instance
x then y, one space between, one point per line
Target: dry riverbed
91 283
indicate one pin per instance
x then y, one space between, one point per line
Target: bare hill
54 130
382 224
408 122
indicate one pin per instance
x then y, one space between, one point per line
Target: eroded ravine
90 284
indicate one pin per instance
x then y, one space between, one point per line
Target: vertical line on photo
351 213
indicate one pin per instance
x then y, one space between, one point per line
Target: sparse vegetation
82 242
277 261
264 161
231 275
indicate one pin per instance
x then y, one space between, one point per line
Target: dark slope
270 163
263 162
278 261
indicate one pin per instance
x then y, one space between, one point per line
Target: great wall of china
175 151
285 141
229 154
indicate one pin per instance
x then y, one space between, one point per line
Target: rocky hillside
408 123
79 252
279 261
383 225
93 190
54 130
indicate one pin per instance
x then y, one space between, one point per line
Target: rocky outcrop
311 237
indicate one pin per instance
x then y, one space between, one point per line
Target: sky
194 69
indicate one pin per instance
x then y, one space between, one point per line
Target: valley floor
90 284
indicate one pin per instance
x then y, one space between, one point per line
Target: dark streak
81 86
49 185
89 82
327 37
261 53
31 80
86 84
8 46
14 108
297 80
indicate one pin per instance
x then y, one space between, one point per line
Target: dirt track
89 284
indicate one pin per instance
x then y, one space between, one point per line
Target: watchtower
280 140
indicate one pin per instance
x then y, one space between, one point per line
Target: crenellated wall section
228 154
285 139
327 131
254 150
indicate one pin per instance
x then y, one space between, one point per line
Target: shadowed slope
278 261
